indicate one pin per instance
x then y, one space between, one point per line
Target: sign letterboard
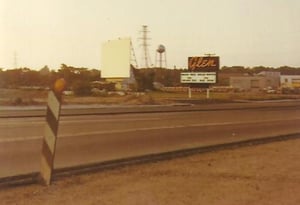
198 77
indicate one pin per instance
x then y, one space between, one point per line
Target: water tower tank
161 49
161 52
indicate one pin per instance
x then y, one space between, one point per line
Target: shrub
82 88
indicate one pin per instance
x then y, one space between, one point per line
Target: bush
98 92
81 88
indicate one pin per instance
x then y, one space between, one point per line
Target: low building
272 77
262 81
248 82
290 81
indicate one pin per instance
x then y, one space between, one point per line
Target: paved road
187 105
93 138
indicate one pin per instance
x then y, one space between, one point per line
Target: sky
35 33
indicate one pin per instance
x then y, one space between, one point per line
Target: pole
190 92
207 93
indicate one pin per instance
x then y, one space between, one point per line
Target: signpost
203 72
51 130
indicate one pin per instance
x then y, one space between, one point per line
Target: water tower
162 57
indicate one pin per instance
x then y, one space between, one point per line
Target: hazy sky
241 32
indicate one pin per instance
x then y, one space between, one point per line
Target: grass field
23 97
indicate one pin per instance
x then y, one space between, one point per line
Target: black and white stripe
49 141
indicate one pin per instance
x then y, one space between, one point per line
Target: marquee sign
199 77
203 64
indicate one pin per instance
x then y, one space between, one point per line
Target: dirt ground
265 174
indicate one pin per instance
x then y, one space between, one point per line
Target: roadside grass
22 97
222 96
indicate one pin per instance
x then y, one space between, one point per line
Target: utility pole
209 54
15 60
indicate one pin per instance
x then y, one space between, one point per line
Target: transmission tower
133 60
145 38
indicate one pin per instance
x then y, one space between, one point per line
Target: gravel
266 174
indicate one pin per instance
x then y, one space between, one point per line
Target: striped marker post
51 130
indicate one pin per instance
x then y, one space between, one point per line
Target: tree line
80 79
44 78
171 77
284 70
